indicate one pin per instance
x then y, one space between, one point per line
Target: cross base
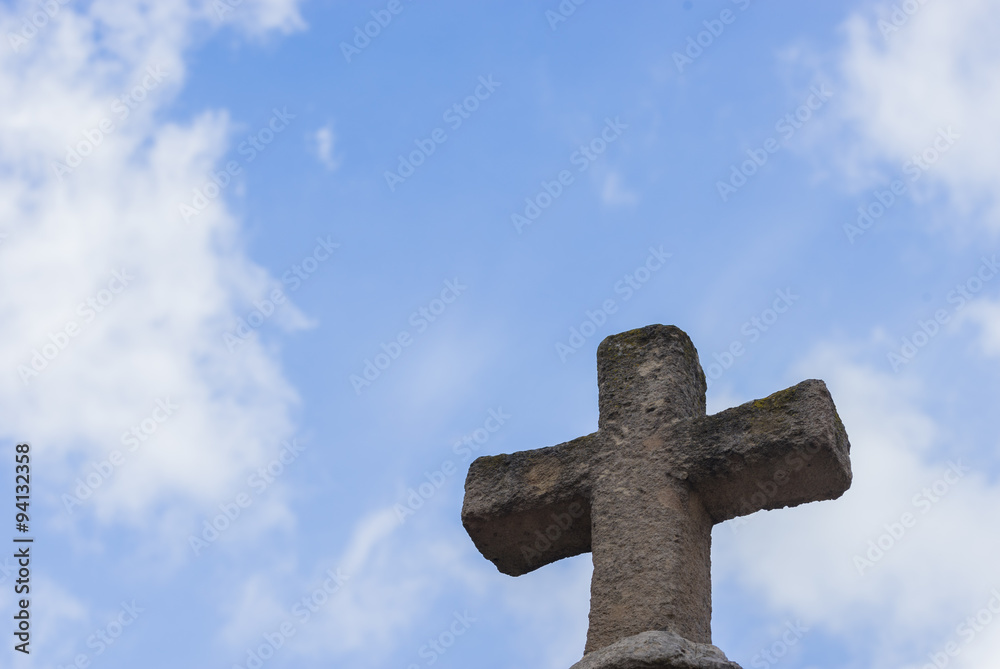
656 650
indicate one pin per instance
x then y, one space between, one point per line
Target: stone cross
643 492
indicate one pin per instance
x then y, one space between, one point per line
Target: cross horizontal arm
531 508
784 450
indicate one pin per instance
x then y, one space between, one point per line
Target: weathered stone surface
512 502
656 650
643 492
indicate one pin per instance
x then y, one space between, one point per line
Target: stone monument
643 492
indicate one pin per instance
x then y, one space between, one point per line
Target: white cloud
802 560
395 576
63 608
257 18
325 141
938 69
156 330
985 313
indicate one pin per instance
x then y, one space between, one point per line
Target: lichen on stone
772 412
777 401
491 463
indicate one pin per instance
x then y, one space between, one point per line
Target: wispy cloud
931 68
117 303
325 143
851 564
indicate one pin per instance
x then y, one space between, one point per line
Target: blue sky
217 217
